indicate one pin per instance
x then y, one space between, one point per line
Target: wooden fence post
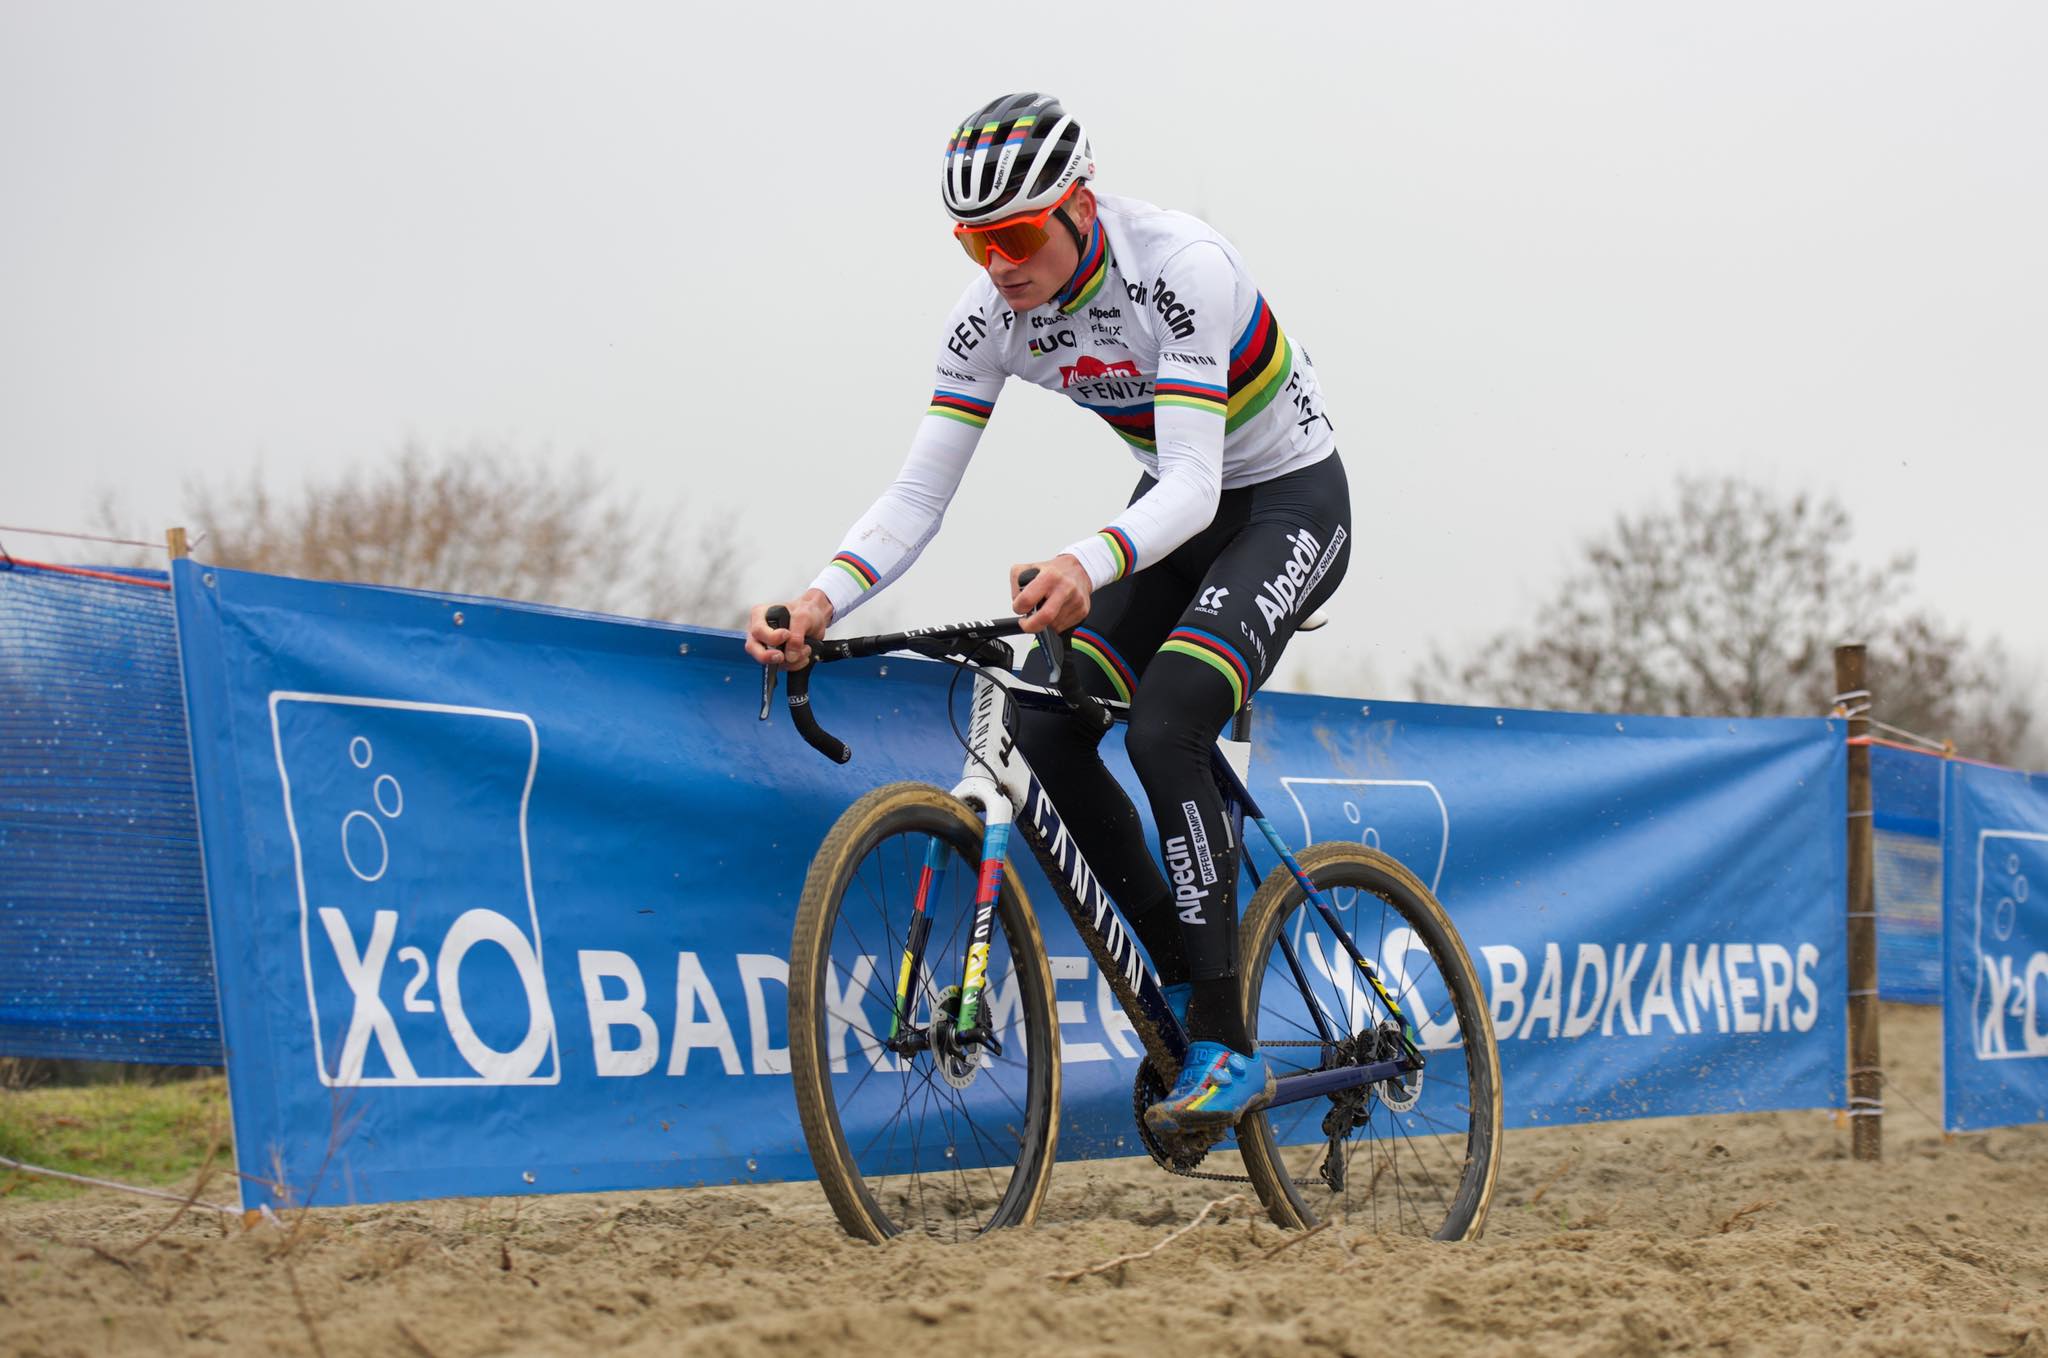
1866 1072
174 539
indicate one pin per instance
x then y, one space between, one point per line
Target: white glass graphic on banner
2009 1010
420 937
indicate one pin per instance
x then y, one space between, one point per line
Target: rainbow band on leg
1216 653
1092 645
958 405
1120 547
863 574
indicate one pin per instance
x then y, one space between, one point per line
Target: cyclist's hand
1058 598
809 614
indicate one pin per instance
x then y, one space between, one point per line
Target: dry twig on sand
1555 1175
1291 1241
1746 1210
1235 1199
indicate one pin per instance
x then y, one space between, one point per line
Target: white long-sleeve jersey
1162 333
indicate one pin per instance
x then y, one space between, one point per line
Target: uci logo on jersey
1044 345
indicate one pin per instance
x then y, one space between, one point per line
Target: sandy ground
1752 1234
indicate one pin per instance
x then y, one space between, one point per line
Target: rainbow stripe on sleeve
1203 396
863 574
1120 547
1260 362
1214 652
958 405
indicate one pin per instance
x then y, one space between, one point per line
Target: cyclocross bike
924 1042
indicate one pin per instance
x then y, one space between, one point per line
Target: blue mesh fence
103 940
1905 791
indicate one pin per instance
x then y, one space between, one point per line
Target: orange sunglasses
1016 239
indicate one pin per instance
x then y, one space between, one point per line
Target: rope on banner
78 537
1853 702
112 577
1939 746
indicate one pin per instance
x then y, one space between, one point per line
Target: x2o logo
421 942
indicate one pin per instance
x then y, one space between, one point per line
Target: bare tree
1730 603
479 520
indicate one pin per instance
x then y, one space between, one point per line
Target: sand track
1752 1234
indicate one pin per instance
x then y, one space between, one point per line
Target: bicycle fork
974 975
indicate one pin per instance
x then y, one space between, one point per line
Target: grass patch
135 1133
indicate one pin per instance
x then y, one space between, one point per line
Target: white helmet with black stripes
1018 154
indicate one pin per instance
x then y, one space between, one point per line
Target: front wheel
916 1121
1415 1155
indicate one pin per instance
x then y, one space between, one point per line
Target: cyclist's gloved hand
809 614
1057 598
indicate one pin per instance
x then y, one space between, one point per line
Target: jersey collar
1088 274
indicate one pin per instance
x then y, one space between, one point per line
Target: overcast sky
1546 256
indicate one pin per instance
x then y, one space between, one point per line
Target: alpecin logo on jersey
1281 595
1178 315
1088 366
1045 345
1188 898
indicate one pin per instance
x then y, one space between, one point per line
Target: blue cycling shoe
1217 1086
1177 996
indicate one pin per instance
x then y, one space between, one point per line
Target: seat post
1241 724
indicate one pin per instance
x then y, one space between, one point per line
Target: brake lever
1052 643
1067 681
777 616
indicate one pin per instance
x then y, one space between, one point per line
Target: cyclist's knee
1048 737
1169 735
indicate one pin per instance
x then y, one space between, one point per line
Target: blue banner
1654 903
1994 1017
1905 794
103 948
502 895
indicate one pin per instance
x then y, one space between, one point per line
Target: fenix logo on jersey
1087 366
1281 595
966 336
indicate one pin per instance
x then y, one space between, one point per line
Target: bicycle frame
999 783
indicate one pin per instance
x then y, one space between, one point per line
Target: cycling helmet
1017 154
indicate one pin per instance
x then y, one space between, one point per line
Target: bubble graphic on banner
2007 912
362 838
362 841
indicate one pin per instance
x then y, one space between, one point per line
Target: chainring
1180 1155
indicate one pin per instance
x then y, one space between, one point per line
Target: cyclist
1183 602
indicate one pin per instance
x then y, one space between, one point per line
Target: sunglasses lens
1015 243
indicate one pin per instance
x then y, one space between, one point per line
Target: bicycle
933 1105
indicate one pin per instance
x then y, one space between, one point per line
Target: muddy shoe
1217 1086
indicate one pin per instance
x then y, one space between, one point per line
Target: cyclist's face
1034 282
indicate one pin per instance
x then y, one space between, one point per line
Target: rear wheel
917 1130
1416 1155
